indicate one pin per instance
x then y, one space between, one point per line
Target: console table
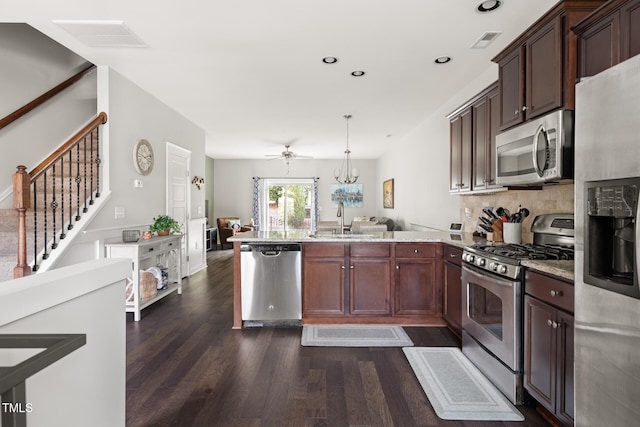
149 253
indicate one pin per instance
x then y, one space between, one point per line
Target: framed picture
387 194
350 194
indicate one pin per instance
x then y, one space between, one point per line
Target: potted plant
165 225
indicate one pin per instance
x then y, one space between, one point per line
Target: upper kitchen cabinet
537 71
460 150
473 130
608 36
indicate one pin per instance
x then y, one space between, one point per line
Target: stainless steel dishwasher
271 283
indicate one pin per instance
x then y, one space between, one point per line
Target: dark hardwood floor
187 367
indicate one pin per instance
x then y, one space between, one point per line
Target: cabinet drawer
453 254
150 249
375 250
323 250
170 245
550 290
415 250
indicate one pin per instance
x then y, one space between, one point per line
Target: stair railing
58 191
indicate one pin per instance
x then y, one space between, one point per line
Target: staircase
63 189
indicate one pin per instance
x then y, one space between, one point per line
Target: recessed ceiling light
443 60
358 73
488 6
329 59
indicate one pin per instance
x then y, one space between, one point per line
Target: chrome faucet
340 215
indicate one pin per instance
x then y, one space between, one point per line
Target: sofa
227 227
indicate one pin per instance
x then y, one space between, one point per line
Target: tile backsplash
551 199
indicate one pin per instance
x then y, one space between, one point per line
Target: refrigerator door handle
637 242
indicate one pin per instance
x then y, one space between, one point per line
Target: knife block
496 236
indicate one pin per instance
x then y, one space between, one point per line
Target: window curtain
257 184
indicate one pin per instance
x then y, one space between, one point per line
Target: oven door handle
485 275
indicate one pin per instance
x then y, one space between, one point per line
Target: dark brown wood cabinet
473 130
460 151
548 336
370 279
452 272
324 279
608 36
328 267
486 125
537 71
417 279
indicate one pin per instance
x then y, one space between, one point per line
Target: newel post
21 202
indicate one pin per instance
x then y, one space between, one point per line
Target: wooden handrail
22 182
53 157
44 97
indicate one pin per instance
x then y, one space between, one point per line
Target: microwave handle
536 166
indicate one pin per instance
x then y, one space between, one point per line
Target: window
286 204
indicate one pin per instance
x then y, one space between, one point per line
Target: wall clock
143 157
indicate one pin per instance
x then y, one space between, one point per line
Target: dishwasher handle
268 249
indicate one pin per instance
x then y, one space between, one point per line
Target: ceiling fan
287 155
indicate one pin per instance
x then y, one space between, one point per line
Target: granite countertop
459 240
559 268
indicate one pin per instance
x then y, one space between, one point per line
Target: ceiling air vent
101 33
486 39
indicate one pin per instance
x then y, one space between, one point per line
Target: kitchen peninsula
393 277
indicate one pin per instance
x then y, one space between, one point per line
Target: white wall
32 64
135 114
419 165
88 386
233 185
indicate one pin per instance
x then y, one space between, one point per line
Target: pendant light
346 174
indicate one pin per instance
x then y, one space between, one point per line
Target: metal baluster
78 179
70 226
84 175
54 207
45 224
35 227
62 233
98 161
91 171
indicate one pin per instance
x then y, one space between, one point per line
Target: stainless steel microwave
537 151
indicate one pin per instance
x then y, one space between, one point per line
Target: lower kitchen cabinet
453 288
327 267
417 279
323 279
548 336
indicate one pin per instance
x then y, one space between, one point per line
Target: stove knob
480 262
493 266
502 269
470 258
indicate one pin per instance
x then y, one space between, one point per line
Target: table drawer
150 249
170 245
550 290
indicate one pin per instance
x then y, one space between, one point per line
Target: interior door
178 193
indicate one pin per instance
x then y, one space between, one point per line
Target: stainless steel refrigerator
607 298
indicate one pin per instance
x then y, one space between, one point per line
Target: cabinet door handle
517 112
351 267
551 323
556 293
342 267
415 251
524 108
397 267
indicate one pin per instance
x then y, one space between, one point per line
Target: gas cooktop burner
526 251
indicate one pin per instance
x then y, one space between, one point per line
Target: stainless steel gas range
493 294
